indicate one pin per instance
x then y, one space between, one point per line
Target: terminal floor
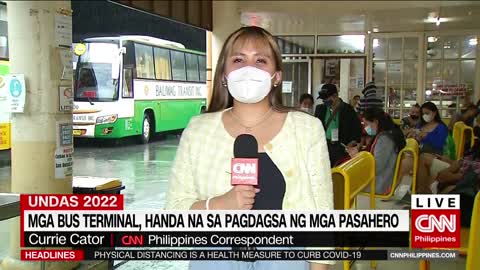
144 170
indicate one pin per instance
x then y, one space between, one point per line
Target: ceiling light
369 32
473 41
375 29
432 39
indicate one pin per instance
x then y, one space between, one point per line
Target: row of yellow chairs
462 132
469 237
352 177
349 180
469 240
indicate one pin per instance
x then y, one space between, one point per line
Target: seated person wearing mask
306 103
341 123
387 141
467 116
433 133
412 121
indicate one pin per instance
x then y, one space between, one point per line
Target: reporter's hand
240 197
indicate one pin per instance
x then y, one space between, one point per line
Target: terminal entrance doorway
347 73
308 74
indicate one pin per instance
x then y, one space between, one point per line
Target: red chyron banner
435 221
60 202
244 171
71 202
51 255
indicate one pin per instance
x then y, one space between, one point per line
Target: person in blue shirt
433 133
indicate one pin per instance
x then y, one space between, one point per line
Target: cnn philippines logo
244 171
435 221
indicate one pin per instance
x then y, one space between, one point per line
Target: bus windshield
97 73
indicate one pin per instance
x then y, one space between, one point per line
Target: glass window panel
410 46
192 67
162 64
467 77
144 61
394 73
452 97
379 73
410 72
178 65
394 48
451 47
469 47
394 113
434 73
393 98
379 46
127 83
343 44
409 95
202 68
450 72
296 44
434 48
432 96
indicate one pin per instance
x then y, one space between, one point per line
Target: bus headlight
107 119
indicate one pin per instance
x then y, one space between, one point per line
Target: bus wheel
146 129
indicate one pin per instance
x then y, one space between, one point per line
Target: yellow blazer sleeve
181 193
318 166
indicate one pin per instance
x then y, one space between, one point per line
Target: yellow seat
349 179
469 240
473 262
460 133
412 148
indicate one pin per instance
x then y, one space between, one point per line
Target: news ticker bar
236 254
216 238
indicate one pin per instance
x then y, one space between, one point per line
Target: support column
344 79
34 53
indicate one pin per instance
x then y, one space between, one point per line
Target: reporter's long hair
221 98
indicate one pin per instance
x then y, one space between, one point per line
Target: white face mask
306 109
427 118
249 84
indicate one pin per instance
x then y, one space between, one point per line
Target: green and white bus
136 85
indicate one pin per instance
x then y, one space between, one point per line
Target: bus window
98 73
192 67
202 67
127 83
162 64
144 61
178 65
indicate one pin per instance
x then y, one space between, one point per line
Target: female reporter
294 171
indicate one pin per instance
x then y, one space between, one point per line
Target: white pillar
34 53
344 79
476 81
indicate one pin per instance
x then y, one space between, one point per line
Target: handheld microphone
245 162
